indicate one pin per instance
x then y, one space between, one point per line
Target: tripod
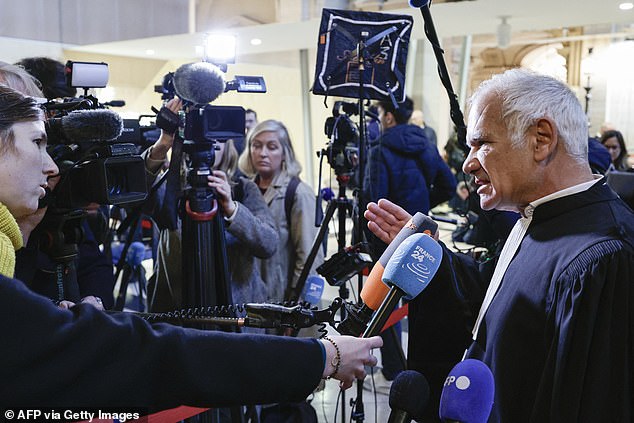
205 269
61 239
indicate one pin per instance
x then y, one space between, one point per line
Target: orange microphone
374 290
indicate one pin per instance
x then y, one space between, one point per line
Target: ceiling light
150 52
256 42
626 6
504 33
220 48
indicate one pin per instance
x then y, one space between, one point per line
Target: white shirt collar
584 186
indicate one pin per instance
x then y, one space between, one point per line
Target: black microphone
409 395
115 103
199 83
418 3
85 126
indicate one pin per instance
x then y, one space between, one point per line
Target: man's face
249 121
386 118
25 168
502 173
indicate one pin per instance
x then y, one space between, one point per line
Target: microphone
374 290
199 83
115 103
85 126
409 271
467 395
417 4
409 395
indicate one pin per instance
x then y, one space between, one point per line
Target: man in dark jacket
404 167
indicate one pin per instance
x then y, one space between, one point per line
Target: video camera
82 137
342 151
201 125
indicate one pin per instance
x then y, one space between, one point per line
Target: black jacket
84 357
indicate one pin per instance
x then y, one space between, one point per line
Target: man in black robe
556 323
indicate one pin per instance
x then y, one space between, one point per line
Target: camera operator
249 227
43 365
95 280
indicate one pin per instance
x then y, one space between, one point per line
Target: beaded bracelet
336 360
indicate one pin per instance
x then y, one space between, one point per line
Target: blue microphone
467 395
409 395
408 272
418 3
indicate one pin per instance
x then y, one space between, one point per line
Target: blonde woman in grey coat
270 160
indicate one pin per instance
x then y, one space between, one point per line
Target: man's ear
546 139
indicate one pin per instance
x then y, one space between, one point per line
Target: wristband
336 360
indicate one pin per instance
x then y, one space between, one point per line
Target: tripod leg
293 293
123 288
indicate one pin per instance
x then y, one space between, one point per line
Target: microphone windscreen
413 264
467 395
418 3
410 393
91 125
374 290
199 83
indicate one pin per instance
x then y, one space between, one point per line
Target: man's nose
470 164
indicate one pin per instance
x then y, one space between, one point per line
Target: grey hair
526 96
293 168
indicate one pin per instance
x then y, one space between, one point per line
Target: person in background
250 120
269 160
418 119
51 75
404 167
95 280
556 335
84 347
613 141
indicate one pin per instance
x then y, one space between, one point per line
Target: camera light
220 48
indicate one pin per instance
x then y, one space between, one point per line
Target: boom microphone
467 395
85 126
409 271
199 83
409 395
374 290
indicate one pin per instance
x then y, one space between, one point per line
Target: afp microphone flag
468 393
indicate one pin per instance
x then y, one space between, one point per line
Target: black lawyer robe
558 335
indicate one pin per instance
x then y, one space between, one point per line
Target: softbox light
381 39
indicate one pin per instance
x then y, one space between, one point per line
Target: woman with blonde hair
269 159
